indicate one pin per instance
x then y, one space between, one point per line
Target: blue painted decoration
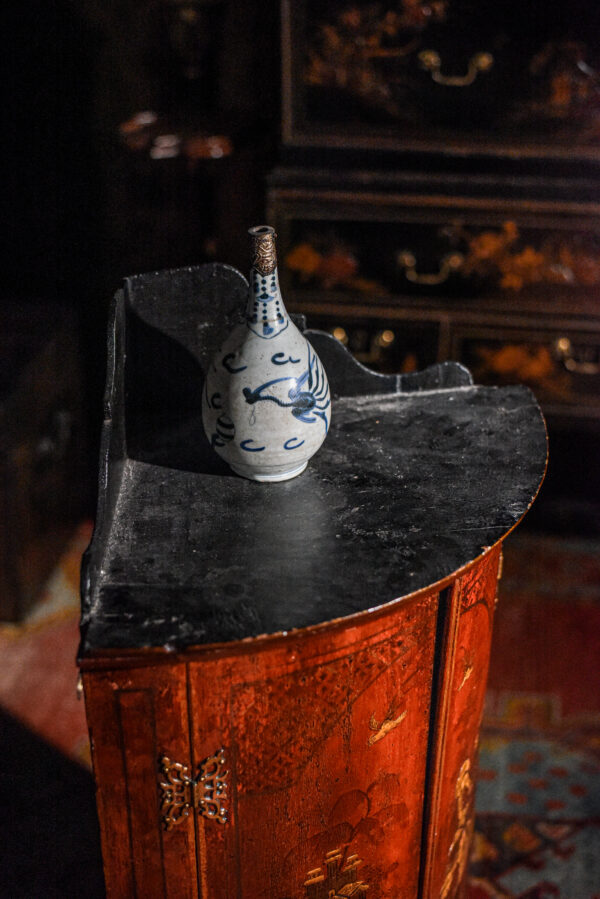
229 367
224 431
288 444
266 317
306 405
279 359
214 401
251 449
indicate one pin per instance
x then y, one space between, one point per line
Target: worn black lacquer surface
418 475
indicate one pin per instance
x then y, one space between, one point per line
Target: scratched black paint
418 474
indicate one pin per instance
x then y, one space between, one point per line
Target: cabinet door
325 741
465 652
135 718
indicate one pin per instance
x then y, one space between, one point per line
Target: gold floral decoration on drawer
502 256
333 267
565 83
533 364
354 51
492 257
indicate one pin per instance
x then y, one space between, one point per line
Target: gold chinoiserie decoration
337 879
459 850
180 793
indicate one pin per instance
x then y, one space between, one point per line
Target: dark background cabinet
438 198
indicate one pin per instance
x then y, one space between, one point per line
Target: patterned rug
38 676
537 830
538 797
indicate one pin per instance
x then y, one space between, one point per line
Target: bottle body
266 404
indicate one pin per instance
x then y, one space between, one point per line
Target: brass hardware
265 254
177 792
385 338
340 334
563 349
338 881
79 687
431 62
450 263
214 787
180 793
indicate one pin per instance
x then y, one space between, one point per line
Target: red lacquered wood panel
133 716
335 750
325 737
463 670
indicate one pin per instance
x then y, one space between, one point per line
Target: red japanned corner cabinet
284 684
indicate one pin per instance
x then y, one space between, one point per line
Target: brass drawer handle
450 263
431 62
180 793
563 349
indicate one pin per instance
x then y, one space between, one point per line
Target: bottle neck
266 315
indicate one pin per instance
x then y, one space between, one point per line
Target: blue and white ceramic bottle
266 405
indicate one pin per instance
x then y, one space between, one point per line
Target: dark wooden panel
137 724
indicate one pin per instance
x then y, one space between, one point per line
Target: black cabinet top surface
418 476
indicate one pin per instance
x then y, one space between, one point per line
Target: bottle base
247 471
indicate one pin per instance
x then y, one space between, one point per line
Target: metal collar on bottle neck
265 253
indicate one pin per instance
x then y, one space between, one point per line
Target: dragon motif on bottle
308 396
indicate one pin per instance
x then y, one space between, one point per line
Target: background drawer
562 367
381 252
493 76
